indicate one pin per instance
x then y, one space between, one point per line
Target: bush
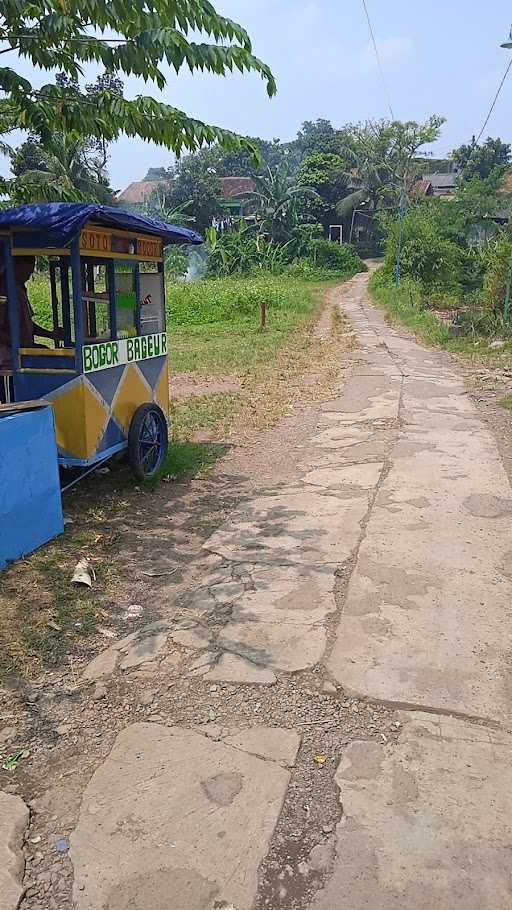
243 252
176 262
472 270
326 254
483 322
303 236
497 258
426 256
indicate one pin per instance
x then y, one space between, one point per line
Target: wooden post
263 315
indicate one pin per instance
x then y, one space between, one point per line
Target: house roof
233 186
138 191
422 187
444 182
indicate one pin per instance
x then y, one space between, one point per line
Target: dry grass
43 616
306 369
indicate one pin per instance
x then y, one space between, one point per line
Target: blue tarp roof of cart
61 222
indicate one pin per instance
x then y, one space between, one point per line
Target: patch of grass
38 289
265 362
235 300
404 306
506 402
186 460
215 324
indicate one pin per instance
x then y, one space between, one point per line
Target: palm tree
64 174
276 201
156 206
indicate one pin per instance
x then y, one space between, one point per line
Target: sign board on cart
101 242
107 354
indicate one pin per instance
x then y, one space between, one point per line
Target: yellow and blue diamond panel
93 413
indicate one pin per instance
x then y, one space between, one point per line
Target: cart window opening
95 302
37 299
126 300
58 315
152 312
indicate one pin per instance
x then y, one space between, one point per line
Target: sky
438 58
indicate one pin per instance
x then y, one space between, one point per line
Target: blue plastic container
30 500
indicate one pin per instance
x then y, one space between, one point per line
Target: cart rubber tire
148 441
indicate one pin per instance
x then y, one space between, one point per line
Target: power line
493 105
379 63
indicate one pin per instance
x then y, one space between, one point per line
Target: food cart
106 371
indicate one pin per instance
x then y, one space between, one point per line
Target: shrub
303 235
497 260
176 262
243 252
426 256
340 257
484 322
472 270
306 269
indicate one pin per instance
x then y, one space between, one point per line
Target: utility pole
507 45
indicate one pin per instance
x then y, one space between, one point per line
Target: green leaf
64 35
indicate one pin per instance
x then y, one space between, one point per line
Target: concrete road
365 598
427 617
425 624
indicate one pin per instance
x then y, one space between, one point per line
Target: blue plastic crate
30 499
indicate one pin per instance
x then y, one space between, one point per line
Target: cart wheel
147 441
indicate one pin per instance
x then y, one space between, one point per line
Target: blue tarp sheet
30 501
61 222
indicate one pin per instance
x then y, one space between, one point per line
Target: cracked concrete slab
426 822
306 527
375 449
285 646
165 818
14 818
272 743
286 594
445 645
427 616
130 652
233 668
352 479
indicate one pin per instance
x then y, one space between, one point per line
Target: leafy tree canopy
241 163
318 136
481 160
65 37
195 189
61 169
383 157
325 172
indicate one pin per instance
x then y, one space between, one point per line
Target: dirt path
250 748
